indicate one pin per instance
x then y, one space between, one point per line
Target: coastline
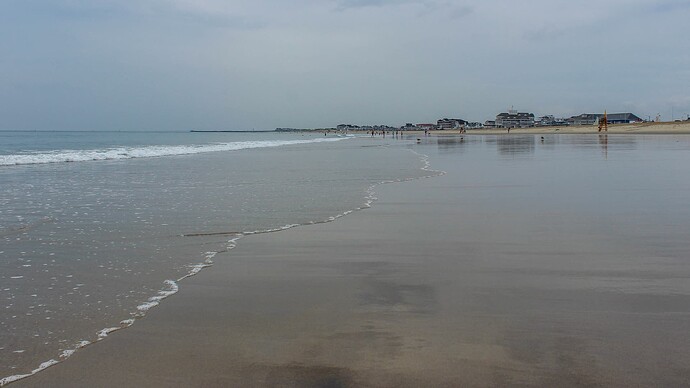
404 294
664 128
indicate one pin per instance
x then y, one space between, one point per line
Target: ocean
97 228
576 244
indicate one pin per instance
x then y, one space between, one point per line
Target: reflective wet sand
84 246
561 262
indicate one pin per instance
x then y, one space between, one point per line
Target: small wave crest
170 288
62 156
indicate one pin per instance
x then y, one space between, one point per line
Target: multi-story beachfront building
584 119
426 127
550 121
474 125
450 124
622 118
611 118
514 119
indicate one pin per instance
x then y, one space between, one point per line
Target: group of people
395 134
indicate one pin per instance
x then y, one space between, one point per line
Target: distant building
515 119
474 125
489 124
426 127
545 121
550 121
584 119
347 127
611 118
622 118
450 124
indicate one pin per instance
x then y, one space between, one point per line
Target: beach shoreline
663 128
422 289
652 128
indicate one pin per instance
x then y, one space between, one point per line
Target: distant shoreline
670 128
195 130
666 128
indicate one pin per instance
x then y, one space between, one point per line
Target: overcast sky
212 64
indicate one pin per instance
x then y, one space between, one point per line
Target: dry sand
400 295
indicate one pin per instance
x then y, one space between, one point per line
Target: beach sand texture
427 288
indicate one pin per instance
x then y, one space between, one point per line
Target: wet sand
427 288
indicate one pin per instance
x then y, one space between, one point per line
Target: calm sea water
89 245
97 228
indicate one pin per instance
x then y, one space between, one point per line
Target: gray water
85 246
582 236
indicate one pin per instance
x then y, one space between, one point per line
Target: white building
515 119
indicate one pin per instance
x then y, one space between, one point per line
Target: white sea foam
172 287
127 322
45 365
104 332
67 353
153 301
59 156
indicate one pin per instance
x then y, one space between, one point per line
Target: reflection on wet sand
456 143
506 145
604 143
515 145
527 145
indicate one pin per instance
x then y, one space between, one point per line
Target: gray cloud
178 64
670 6
344 4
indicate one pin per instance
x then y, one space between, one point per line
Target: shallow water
86 245
577 248
577 244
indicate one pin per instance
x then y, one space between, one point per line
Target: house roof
622 117
521 115
587 116
451 120
610 116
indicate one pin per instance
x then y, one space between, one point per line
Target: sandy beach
429 287
651 128
331 194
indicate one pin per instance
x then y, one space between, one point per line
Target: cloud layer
211 64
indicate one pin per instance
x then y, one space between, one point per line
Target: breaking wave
62 156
